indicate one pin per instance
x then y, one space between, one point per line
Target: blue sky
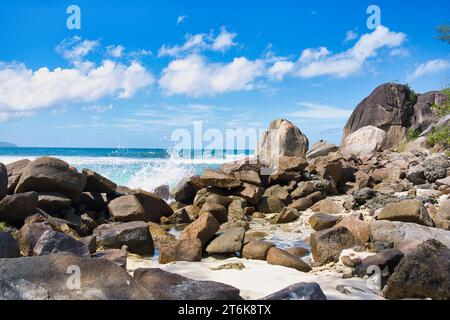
138 70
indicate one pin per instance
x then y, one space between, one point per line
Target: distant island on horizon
7 145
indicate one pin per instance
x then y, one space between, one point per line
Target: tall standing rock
48 174
424 115
363 141
282 138
389 107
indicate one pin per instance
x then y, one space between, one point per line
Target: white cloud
349 62
23 89
310 55
194 76
115 51
192 42
312 110
98 108
75 49
199 42
279 69
350 35
224 40
430 67
399 52
315 62
181 19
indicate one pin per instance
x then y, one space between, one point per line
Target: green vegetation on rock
2 226
443 109
412 134
439 137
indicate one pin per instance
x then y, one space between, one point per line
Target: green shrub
412 97
443 109
440 137
401 147
2 226
412 134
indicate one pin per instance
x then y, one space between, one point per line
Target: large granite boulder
286 215
397 232
96 183
217 179
3 181
283 258
15 170
327 245
228 242
424 273
203 229
153 205
9 248
256 249
164 285
321 221
53 202
359 228
15 208
183 250
184 191
365 140
406 211
135 235
282 138
57 277
48 174
29 235
52 242
388 258
126 209
389 107
299 291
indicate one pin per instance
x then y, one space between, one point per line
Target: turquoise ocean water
134 168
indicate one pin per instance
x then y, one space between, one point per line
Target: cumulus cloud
224 40
321 62
195 76
430 67
24 90
115 51
312 110
279 69
75 48
315 62
200 42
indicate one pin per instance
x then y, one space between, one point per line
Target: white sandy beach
259 278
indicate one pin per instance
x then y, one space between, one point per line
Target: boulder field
347 210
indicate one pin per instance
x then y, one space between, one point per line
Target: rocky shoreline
365 220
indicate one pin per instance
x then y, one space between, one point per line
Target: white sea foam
143 173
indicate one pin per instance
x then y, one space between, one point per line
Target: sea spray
146 169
